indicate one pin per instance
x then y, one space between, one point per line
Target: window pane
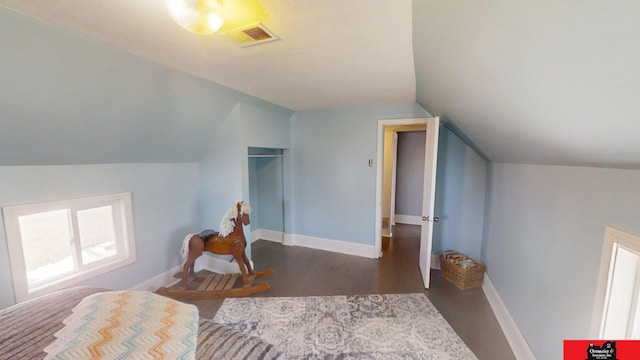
90 236
623 280
635 327
97 234
46 244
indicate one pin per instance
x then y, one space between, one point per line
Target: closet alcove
266 193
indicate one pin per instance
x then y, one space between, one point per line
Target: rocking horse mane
184 250
227 224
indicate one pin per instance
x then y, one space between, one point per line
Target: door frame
429 199
379 174
394 168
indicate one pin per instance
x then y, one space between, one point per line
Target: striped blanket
27 328
127 324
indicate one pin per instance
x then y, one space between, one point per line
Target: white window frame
125 242
613 240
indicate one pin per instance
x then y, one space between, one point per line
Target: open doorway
427 217
403 172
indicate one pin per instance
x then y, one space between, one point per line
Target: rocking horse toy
229 241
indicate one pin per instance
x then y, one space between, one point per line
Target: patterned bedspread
27 328
127 324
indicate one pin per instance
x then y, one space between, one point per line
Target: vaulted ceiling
548 82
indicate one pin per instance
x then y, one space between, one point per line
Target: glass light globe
198 16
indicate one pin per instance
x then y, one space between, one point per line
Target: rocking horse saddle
206 235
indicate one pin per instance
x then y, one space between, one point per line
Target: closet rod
264 156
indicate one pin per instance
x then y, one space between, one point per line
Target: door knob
426 218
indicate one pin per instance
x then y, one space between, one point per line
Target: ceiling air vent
250 35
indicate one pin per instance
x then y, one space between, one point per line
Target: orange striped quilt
127 324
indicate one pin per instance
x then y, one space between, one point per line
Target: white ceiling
333 53
548 82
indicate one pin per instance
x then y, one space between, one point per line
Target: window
56 244
617 306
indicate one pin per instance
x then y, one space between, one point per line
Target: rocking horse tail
184 252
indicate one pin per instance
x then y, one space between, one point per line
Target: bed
26 329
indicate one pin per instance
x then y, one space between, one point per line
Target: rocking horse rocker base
215 285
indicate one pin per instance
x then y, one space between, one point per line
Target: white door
428 197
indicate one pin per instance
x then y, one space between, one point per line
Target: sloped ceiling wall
546 82
332 53
68 99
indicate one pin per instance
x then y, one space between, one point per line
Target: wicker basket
468 278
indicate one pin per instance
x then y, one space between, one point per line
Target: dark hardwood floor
307 272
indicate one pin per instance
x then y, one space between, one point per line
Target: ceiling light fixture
198 16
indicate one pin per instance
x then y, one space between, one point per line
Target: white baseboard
164 279
217 263
514 336
342 247
408 219
288 240
269 235
435 261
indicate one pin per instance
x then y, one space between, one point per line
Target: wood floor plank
300 271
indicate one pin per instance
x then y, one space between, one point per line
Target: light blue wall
225 166
254 200
221 173
544 233
69 99
266 193
461 180
267 127
269 187
333 185
410 172
165 205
